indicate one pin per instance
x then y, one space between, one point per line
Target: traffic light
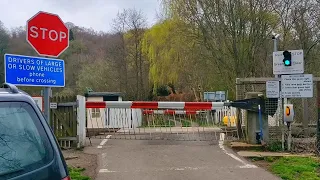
287 58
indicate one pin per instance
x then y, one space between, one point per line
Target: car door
25 149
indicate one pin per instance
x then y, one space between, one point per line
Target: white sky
96 14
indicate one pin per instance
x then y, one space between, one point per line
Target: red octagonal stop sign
47 34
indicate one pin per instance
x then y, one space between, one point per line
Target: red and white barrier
171 112
156 105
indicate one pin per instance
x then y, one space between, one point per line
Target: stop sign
47 34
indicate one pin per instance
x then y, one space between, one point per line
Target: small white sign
39 101
272 89
209 96
297 66
53 105
297 86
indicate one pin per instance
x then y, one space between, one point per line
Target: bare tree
4 41
130 26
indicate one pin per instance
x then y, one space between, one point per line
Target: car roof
11 93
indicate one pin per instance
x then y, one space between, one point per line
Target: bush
76 174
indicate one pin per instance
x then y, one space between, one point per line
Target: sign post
289 67
49 37
35 71
275 39
46 95
39 101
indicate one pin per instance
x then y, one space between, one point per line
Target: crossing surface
172 160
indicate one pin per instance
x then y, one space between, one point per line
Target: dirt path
80 159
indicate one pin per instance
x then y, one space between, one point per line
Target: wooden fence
63 120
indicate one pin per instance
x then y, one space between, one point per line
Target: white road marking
156 170
103 142
105 171
245 165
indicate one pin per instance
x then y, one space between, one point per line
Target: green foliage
97 75
162 91
76 174
274 146
296 168
171 53
270 159
71 36
159 121
186 123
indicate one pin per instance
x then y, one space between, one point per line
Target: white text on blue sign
34 71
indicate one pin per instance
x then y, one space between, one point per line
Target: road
173 160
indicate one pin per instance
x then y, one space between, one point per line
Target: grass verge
76 174
296 168
292 168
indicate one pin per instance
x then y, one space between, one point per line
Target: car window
24 145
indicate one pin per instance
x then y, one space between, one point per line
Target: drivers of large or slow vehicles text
54 66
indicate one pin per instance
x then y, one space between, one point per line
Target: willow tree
167 52
235 33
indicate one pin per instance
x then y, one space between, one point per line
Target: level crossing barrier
145 120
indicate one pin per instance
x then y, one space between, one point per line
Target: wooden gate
63 120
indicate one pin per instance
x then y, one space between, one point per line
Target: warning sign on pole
297 86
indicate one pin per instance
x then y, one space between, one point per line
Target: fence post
305 119
318 120
238 116
81 121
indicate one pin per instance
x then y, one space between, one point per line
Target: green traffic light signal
287 62
287 58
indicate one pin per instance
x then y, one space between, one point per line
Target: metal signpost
35 71
39 101
49 36
288 66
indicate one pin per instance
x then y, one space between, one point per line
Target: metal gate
186 121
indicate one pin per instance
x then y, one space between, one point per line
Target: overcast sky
97 14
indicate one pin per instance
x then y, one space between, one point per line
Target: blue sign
209 96
34 71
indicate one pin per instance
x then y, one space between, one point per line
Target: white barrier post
81 121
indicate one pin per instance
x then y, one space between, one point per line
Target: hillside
194 49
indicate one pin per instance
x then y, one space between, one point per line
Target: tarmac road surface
174 160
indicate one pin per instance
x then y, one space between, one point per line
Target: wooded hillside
196 43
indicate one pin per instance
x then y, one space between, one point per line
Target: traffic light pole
280 103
